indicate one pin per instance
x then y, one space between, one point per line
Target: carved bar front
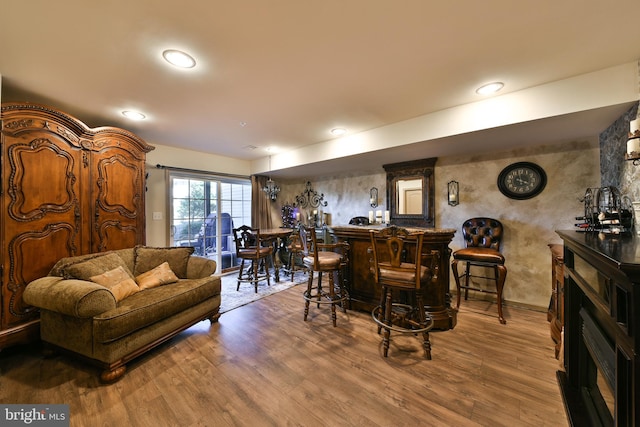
363 290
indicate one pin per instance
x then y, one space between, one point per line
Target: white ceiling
293 69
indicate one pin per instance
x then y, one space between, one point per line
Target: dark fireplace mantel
601 380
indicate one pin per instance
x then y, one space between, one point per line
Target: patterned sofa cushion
152 305
95 266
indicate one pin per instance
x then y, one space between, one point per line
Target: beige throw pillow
161 275
118 281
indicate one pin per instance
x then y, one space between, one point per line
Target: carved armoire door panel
41 173
118 189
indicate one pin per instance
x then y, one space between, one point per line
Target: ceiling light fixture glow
133 115
338 131
490 88
179 58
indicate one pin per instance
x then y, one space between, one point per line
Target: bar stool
390 247
249 247
331 258
482 237
295 251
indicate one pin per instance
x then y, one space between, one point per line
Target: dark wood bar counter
363 291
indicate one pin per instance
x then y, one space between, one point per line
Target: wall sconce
633 144
373 197
453 196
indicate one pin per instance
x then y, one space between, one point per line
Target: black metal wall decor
309 198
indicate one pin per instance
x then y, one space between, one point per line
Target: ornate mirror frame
422 170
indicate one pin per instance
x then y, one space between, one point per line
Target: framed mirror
410 193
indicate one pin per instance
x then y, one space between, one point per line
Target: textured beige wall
529 224
346 195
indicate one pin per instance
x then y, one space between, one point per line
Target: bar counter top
355 228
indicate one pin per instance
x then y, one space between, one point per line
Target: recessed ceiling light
179 58
338 131
490 88
133 115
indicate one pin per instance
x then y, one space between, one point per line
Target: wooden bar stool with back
398 269
326 257
249 246
295 251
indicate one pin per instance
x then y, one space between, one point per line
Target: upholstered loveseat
111 307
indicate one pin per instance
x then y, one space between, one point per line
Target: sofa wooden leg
113 375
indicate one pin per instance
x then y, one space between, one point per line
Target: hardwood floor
263 365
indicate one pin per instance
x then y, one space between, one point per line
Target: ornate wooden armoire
66 190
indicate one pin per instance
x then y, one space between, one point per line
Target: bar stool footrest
324 297
375 313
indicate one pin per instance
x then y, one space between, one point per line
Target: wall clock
522 180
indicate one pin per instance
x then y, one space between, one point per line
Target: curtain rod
175 168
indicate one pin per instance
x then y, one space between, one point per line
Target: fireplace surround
601 376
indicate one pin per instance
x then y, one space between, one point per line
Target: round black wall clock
522 180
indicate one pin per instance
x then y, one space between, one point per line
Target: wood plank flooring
262 365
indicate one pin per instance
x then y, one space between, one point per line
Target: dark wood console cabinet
601 381
365 295
66 190
555 315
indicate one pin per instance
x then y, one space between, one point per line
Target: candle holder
633 143
453 196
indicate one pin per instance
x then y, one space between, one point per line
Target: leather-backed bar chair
396 275
483 238
329 258
249 247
